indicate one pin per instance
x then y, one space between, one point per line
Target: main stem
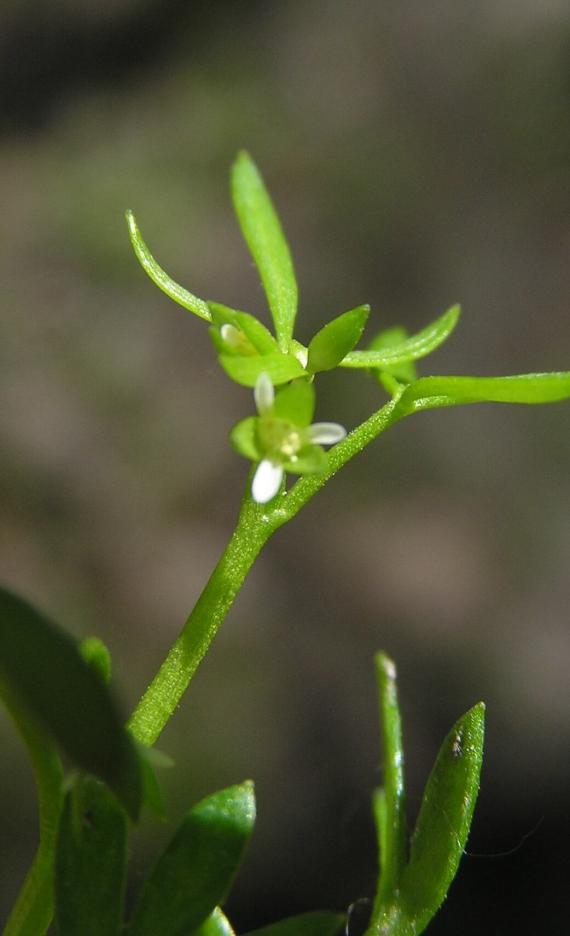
254 527
256 524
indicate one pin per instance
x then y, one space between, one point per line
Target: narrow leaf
90 862
245 370
195 872
33 909
319 923
445 817
431 392
47 674
418 346
333 342
159 277
264 236
390 805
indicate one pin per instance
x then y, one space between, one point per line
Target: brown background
419 155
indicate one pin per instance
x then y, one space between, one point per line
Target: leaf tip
385 666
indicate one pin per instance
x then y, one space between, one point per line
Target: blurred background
419 156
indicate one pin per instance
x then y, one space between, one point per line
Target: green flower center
278 439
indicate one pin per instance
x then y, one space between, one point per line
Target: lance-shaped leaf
46 673
161 279
264 236
33 909
319 923
445 817
217 924
334 341
90 862
389 802
195 872
281 368
418 346
432 392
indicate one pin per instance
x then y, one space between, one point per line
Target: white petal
266 481
326 433
263 393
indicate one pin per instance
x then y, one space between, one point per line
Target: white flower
288 441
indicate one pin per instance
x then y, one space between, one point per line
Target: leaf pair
411 890
263 233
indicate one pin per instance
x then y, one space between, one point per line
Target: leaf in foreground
45 670
195 872
90 862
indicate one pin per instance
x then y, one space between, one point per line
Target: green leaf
403 373
281 368
159 277
319 923
264 237
389 804
217 924
333 342
445 817
45 671
431 392
33 909
310 460
195 872
244 438
90 862
256 332
296 403
418 346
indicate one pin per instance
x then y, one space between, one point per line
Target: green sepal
444 820
161 279
309 460
296 403
244 438
90 861
418 346
255 331
45 670
264 236
333 342
281 368
97 656
195 872
217 924
318 923
432 392
403 373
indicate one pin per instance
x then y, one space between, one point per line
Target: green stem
32 912
256 524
